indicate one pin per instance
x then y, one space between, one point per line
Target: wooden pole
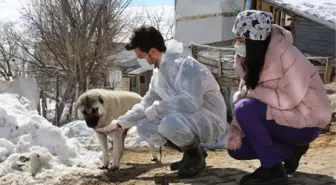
87 82
44 104
76 97
220 64
328 71
138 84
57 101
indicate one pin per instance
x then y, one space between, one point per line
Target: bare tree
9 66
73 40
156 17
164 24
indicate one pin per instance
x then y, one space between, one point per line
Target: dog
98 107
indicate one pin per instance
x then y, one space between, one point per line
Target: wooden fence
220 61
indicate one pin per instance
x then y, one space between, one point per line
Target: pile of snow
79 130
26 135
323 9
32 150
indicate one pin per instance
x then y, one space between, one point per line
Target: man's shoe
194 162
176 165
275 175
292 164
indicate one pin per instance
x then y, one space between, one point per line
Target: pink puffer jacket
290 85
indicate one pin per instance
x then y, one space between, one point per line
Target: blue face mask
240 50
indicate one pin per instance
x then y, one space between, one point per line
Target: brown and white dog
98 107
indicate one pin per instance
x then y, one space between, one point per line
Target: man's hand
150 113
109 128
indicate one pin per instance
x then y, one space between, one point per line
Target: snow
323 9
25 134
53 151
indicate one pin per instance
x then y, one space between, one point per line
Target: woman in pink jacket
281 104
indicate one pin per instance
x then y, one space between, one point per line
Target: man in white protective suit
183 106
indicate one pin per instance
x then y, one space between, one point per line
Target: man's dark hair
146 37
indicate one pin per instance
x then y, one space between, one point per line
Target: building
314 35
136 80
128 75
205 22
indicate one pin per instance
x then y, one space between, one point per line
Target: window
142 79
133 82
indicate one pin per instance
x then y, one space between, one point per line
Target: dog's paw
113 168
103 167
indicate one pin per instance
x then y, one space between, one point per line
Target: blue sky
153 2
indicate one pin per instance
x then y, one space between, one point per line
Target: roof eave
323 22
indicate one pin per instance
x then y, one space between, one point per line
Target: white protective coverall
186 99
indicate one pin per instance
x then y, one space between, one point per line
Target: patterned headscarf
253 24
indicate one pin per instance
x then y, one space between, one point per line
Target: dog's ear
100 99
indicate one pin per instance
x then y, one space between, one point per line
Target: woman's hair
254 61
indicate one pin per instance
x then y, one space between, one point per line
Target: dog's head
91 108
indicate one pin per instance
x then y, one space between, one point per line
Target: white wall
25 87
206 30
115 78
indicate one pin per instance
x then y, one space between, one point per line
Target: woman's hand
235 140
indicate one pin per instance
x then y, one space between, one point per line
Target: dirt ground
327 139
221 169
317 167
